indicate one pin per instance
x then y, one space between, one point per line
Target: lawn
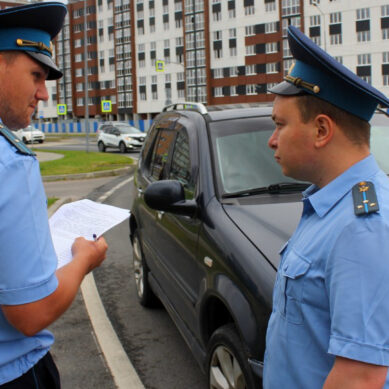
75 162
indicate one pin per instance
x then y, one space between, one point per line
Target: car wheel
227 365
146 296
122 147
101 146
24 140
40 141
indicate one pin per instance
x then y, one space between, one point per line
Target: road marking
122 371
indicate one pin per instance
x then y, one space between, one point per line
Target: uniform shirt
331 296
27 258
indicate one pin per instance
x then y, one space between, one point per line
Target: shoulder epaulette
365 198
15 141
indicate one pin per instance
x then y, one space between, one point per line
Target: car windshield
126 129
243 161
379 140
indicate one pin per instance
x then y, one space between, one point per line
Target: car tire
101 146
227 361
122 147
24 140
40 141
146 296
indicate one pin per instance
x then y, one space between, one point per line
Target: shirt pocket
293 276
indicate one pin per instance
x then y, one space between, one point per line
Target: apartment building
144 54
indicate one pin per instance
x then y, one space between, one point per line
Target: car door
152 167
177 235
108 136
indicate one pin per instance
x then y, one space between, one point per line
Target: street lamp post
314 3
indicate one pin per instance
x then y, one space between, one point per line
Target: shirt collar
323 199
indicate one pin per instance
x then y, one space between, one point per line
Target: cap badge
40 45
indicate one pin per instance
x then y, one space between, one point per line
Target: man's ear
324 127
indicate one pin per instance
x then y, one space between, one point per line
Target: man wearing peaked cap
329 324
33 292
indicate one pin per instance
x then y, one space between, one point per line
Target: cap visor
285 88
54 72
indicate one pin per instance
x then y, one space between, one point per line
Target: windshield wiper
283 187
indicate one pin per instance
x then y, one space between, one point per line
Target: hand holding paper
84 218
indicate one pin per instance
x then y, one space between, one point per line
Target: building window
249 10
233 90
218 73
216 16
363 13
385 79
287 65
363 36
272 67
270 6
335 17
290 7
336 39
250 50
364 59
249 30
232 13
251 89
218 92
250 70
271 47
218 53
385 33
271 27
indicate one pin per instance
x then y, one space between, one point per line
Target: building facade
141 55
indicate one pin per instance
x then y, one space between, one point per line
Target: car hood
137 136
267 226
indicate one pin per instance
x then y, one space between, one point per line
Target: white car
121 136
30 135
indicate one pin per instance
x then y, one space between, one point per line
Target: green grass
55 137
51 201
75 162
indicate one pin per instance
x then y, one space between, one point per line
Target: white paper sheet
84 218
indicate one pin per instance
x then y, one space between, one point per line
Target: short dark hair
357 130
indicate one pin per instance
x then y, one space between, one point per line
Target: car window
181 168
158 166
379 140
125 129
242 158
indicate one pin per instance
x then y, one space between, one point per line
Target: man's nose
272 142
41 93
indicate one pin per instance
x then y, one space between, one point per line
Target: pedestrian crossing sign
106 106
159 66
61 109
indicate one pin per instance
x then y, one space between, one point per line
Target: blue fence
74 127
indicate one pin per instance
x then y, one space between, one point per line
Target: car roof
225 111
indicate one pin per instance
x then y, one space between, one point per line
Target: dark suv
211 212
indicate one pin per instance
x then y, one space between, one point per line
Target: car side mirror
169 196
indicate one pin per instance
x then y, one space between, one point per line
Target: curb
103 173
